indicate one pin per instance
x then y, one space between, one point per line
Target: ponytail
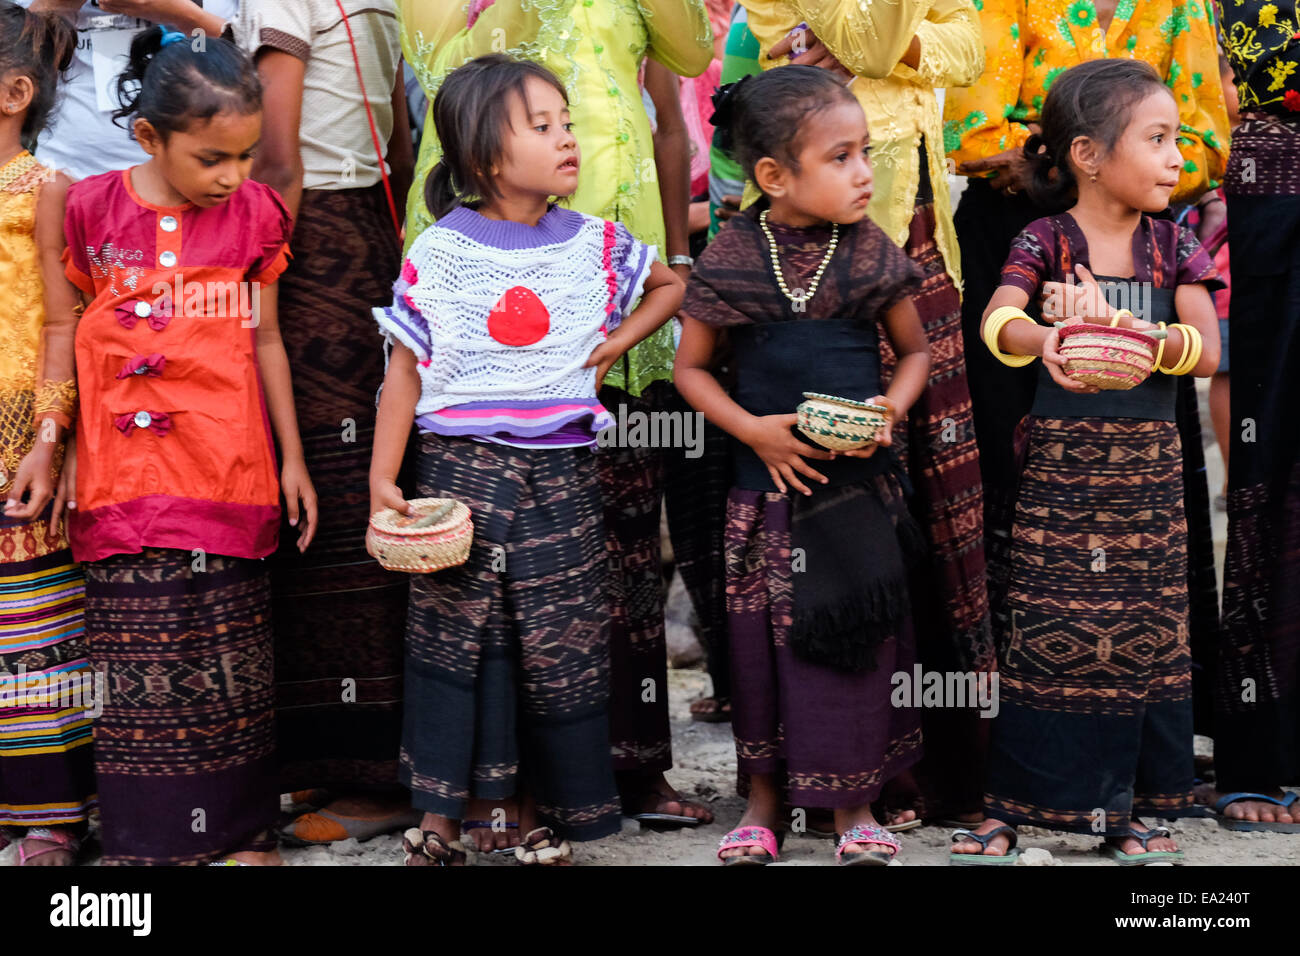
440 195
170 84
1051 183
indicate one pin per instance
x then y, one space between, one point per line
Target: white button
168 224
143 310
167 259
143 419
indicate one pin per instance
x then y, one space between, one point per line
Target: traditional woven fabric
1095 686
507 655
831 737
47 693
508 313
184 747
338 616
950 611
631 489
1257 683
1265 158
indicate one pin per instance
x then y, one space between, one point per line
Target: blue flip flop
1251 826
982 858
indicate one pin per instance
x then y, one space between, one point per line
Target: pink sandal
62 840
760 837
864 834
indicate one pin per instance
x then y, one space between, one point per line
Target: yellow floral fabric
596 49
1262 41
1028 45
869 38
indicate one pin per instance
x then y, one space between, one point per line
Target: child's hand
384 493
65 495
603 357
769 436
1083 300
299 497
885 436
1056 366
31 479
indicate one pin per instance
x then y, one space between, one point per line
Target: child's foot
253 858
1132 846
1000 845
651 794
436 842
711 710
492 825
48 846
860 822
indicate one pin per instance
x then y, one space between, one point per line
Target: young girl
46 783
1095 724
816 580
508 314
182 377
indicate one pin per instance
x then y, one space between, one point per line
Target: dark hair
763 115
470 115
1094 99
40 47
172 85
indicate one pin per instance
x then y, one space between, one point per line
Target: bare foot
37 851
998 846
895 818
1256 811
652 793
495 814
710 708
252 858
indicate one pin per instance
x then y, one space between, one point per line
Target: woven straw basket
1113 359
840 424
436 537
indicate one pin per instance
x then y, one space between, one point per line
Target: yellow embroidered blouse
596 49
1028 45
869 38
22 316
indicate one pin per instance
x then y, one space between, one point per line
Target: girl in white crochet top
508 314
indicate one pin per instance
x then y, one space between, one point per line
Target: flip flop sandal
900 827
1146 858
62 840
865 834
427 848
1286 801
467 825
761 837
720 716
541 848
982 858
327 826
654 820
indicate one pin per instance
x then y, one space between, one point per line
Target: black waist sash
1153 400
777 362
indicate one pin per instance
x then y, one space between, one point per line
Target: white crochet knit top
503 316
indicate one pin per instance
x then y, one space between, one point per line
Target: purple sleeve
1028 264
630 261
1194 263
403 320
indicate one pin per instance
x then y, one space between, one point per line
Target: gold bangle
1187 347
1160 352
993 326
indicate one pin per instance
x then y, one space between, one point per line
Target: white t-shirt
82 139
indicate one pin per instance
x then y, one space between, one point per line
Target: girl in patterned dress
796 287
507 315
183 379
1095 722
46 686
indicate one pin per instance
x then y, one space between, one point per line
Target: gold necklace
801 298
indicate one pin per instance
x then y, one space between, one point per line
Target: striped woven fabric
47 694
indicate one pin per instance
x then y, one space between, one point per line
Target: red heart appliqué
518 318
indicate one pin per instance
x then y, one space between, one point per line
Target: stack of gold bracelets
1193 344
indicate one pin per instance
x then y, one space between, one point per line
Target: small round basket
840 424
1112 359
436 536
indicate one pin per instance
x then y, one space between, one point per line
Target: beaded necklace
800 298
